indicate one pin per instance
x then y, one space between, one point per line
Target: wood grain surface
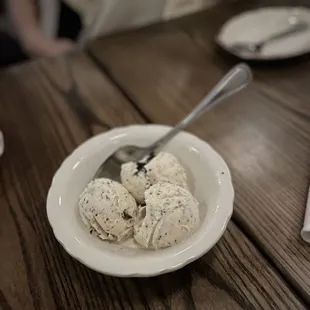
263 133
47 108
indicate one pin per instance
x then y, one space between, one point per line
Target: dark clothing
10 51
69 23
69 27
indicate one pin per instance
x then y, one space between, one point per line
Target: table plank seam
257 244
105 71
41 207
277 101
33 288
36 229
76 102
4 303
266 259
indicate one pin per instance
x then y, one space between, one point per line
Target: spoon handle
235 80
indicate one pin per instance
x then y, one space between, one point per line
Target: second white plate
254 26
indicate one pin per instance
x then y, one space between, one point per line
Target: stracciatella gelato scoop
170 215
107 208
138 177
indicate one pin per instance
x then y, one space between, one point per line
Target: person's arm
25 19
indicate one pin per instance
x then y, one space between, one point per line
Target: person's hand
58 46
25 20
40 46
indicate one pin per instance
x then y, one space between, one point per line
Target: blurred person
22 36
43 28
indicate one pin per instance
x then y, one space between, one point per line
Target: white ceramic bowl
209 180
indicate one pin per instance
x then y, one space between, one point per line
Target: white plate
209 180
254 26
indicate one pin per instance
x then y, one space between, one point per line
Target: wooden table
158 74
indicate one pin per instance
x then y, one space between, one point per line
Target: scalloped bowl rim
169 263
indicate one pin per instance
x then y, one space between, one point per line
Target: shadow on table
174 288
264 65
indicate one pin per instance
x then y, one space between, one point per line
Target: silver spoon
235 80
255 48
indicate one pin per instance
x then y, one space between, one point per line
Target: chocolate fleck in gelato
107 208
